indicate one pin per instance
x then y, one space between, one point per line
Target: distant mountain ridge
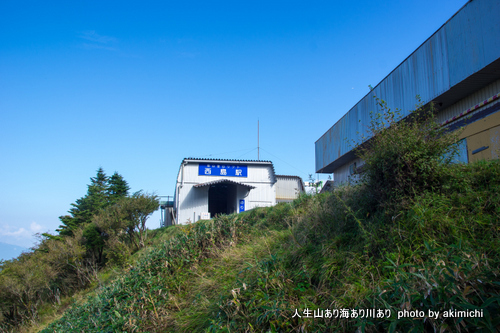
9 251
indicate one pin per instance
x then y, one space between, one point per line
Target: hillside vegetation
249 272
415 234
101 233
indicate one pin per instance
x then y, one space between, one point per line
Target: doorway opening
222 199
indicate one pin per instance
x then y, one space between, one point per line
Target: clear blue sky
136 87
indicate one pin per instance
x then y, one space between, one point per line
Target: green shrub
404 157
417 234
117 252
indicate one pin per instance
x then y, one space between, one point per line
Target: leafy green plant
404 157
431 246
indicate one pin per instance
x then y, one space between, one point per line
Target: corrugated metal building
209 187
457 68
288 188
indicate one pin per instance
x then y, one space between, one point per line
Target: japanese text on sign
227 170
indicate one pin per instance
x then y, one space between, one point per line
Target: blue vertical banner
242 205
226 170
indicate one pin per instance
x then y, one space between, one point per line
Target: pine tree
84 208
118 187
97 194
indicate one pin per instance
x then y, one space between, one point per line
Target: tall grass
251 272
427 240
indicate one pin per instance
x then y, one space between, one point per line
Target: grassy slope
249 272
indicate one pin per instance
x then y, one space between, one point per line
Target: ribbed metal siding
469 101
473 38
468 42
287 188
342 175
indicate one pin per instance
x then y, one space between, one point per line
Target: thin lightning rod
258 148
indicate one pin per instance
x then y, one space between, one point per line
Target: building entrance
222 199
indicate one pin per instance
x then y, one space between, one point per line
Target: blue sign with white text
226 170
242 205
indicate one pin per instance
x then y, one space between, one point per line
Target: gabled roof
328 187
197 159
222 181
290 176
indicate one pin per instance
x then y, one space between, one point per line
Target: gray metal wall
288 188
464 45
341 173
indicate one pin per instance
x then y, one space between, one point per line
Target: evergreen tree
93 241
97 195
84 208
118 187
102 193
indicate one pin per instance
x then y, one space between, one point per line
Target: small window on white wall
352 169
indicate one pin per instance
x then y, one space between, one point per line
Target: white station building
209 187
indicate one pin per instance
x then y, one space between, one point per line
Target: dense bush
93 236
404 157
250 272
427 239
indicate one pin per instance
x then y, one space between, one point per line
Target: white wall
287 188
190 202
342 174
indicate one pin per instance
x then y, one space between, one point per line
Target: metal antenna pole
258 148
